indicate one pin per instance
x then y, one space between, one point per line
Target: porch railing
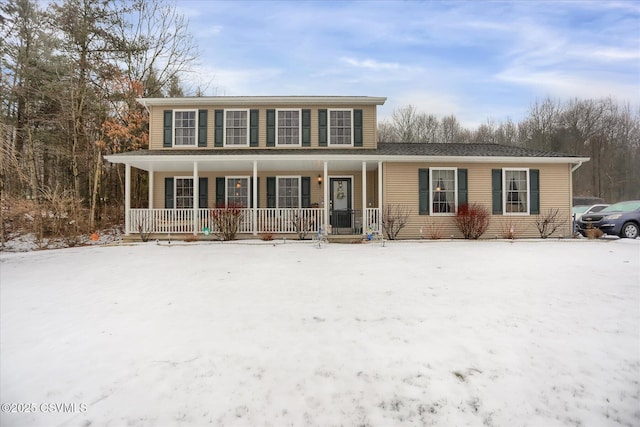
373 220
272 220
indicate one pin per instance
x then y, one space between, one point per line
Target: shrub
302 223
549 222
593 233
472 220
394 219
509 229
267 236
227 221
433 230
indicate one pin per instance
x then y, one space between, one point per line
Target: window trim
329 143
455 191
175 190
175 128
226 188
504 192
299 110
224 127
299 178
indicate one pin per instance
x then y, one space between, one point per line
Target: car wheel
629 230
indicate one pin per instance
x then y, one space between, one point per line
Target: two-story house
315 160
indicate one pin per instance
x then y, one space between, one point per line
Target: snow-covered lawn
447 333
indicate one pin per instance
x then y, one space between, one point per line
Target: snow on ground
496 333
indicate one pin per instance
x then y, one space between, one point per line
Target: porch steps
346 238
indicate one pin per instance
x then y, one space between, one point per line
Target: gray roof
384 149
463 150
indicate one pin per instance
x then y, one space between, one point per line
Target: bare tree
394 219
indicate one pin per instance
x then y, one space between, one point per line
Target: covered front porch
268 194
302 222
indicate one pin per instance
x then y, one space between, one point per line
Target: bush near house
472 220
226 220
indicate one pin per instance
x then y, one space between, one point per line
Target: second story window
236 128
185 127
288 129
340 127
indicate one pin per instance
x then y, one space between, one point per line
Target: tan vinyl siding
156 118
317 191
401 188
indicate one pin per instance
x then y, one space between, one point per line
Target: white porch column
151 186
127 198
380 204
254 211
196 198
325 197
364 197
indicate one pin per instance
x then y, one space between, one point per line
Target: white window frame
175 190
195 134
455 191
505 189
224 128
329 143
226 189
299 178
299 143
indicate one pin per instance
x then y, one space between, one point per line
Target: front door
340 202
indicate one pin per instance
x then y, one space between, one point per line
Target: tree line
604 130
70 75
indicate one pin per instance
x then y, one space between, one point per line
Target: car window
579 209
622 207
596 209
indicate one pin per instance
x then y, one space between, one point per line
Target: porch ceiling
207 165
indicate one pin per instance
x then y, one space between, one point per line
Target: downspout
144 104
575 168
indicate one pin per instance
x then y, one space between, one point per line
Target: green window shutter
203 192
322 128
357 128
202 128
219 129
271 191
306 128
534 187
168 193
306 192
496 190
271 128
423 191
462 187
220 192
251 192
167 136
253 128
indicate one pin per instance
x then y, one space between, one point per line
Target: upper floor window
443 191
236 127
185 127
516 190
288 129
340 127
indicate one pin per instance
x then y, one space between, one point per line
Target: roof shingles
384 149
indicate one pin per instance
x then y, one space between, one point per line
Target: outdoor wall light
319 180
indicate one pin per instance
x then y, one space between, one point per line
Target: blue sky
474 59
